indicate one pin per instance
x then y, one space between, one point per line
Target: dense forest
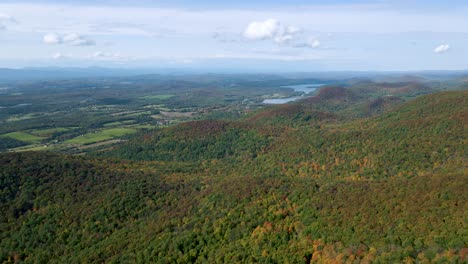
333 178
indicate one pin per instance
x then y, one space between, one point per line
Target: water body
306 89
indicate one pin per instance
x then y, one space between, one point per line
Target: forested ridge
328 179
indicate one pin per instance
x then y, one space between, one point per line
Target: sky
242 35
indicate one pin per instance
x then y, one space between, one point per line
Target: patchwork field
22 136
67 115
102 135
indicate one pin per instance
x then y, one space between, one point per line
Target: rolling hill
299 183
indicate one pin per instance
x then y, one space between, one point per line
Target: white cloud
259 30
282 39
77 40
442 48
314 43
292 30
71 39
97 56
58 56
51 39
308 43
226 37
6 19
100 55
270 29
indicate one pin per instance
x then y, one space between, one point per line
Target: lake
304 88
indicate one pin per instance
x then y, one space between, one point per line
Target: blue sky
294 35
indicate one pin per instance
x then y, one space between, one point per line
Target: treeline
7 143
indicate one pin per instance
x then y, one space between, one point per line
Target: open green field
137 114
143 126
34 147
119 123
48 131
101 136
158 106
22 136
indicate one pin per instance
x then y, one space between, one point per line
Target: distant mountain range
48 73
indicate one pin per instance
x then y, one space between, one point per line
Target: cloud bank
101 55
51 38
6 19
442 48
71 39
270 29
314 43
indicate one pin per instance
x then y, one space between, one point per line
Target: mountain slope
388 189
